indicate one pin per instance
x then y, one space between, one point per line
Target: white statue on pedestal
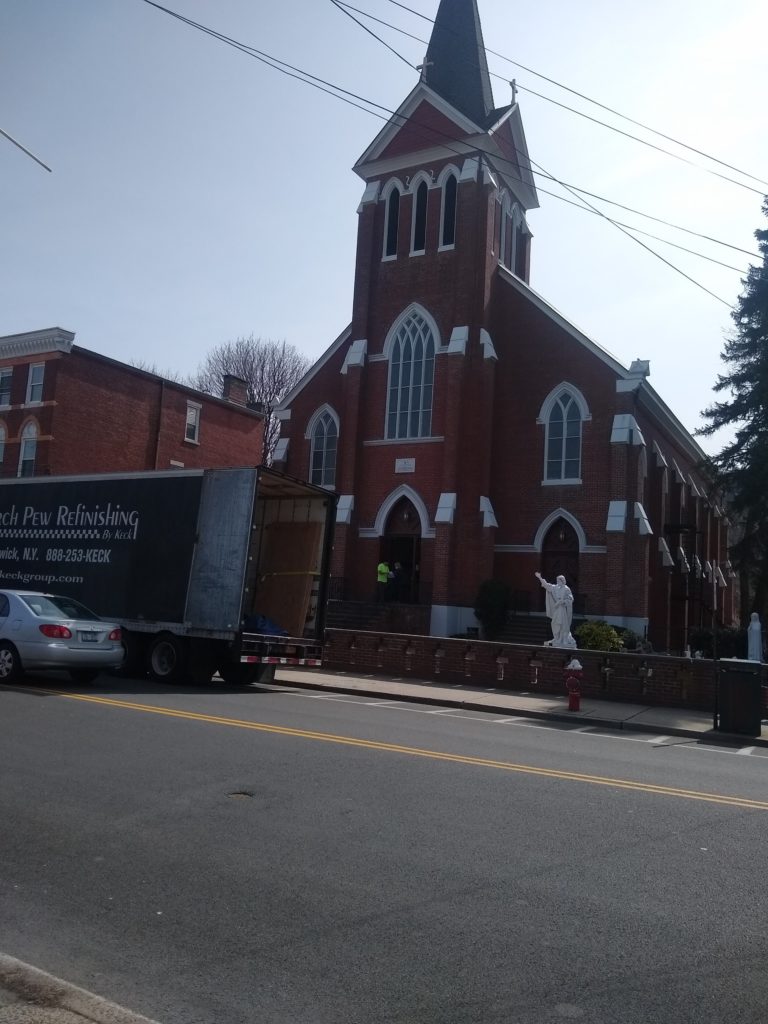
560 611
754 638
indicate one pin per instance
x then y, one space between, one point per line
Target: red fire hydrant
573 672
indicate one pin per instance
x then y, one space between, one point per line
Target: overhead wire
638 241
349 97
583 96
333 90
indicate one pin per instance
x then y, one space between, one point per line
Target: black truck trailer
216 570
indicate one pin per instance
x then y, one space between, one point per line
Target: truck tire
167 658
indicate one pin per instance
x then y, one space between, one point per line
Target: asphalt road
236 856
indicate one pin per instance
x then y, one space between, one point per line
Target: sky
198 196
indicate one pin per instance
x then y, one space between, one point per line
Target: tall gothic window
448 226
391 222
419 240
325 437
564 440
411 378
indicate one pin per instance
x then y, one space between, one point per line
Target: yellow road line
395 748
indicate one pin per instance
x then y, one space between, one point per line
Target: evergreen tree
740 469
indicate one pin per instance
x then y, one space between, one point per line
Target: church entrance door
401 544
560 557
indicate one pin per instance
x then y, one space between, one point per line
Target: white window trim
441 182
324 410
419 179
413 310
39 401
544 417
386 192
24 442
198 409
9 371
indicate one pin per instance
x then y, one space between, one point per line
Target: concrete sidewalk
605 713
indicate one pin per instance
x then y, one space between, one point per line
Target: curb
49 992
619 725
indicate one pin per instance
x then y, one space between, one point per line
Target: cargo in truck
217 570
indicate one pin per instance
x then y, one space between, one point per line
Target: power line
24 149
320 84
604 215
378 38
583 96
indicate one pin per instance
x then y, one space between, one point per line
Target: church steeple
456 67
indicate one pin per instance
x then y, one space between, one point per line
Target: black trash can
740 699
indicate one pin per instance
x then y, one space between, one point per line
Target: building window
392 222
325 438
35 383
192 429
411 376
448 224
521 251
419 237
2 444
564 439
28 450
5 386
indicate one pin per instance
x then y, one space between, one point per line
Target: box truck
216 570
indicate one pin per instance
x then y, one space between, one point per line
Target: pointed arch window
564 439
411 380
323 449
28 450
448 221
391 223
419 236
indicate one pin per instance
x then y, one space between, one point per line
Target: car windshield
57 607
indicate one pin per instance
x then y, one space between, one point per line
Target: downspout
159 422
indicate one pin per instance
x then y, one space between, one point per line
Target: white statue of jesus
560 611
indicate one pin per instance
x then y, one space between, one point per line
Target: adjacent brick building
66 410
470 430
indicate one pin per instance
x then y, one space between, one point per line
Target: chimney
235 390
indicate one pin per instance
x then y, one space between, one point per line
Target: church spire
456 67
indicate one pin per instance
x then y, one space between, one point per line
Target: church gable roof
456 67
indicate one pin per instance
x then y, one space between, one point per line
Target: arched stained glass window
325 437
564 440
411 379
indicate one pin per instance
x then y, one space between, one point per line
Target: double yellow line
435 755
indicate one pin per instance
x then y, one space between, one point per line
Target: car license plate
89 638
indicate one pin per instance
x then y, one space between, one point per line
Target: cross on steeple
513 87
423 69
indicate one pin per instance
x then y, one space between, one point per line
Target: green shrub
492 605
598 636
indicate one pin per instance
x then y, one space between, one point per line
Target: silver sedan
48 631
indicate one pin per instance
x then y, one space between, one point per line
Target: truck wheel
167 659
10 663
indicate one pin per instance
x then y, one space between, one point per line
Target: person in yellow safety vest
382 579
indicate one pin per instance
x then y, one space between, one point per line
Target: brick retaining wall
637 678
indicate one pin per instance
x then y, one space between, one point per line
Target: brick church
469 429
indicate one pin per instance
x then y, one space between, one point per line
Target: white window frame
442 181
31 384
195 408
420 179
394 184
545 416
6 372
324 415
393 345
29 436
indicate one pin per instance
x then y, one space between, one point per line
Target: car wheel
167 660
83 675
10 663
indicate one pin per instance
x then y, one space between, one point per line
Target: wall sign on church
405 465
